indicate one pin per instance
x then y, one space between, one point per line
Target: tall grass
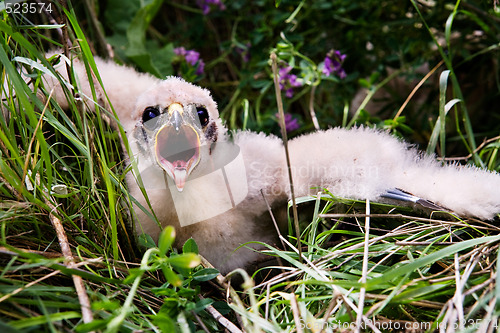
57 166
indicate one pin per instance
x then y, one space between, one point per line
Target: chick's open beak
177 147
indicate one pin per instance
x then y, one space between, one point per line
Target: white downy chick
210 185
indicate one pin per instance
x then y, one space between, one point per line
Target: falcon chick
210 184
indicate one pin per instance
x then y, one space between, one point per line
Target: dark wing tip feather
401 195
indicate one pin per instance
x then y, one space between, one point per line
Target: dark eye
150 113
203 115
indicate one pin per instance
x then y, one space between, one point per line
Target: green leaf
146 241
105 305
364 83
164 322
447 28
171 306
165 290
205 274
190 246
187 292
136 35
162 58
439 127
34 65
43 319
451 104
94 325
202 304
118 17
222 307
416 293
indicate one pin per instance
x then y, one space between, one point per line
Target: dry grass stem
221 319
285 144
70 261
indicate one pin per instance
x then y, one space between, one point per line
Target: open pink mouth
177 152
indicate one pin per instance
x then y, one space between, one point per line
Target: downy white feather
360 163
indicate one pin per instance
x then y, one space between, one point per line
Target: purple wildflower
333 64
288 81
205 5
200 68
181 51
192 58
291 124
